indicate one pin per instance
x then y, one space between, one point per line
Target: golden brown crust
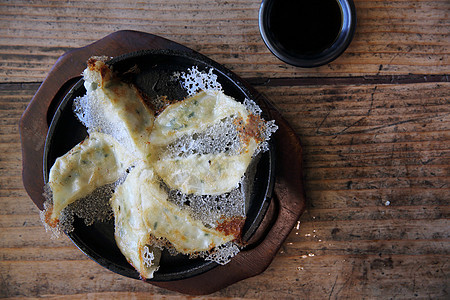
48 218
97 64
232 226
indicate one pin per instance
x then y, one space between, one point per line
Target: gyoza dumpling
131 233
95 162
147 206
115 107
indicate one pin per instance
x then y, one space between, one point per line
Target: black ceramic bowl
155 68
305 29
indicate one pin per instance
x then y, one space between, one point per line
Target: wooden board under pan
287 198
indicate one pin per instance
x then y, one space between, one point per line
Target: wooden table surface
374 124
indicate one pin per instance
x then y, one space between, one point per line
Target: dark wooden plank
376 224
392 38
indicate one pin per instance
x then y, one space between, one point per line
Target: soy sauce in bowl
307 33
305 27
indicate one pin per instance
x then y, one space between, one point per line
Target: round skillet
152 74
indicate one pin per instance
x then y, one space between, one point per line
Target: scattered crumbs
329 274
320 240
314 230
309 255
308 234
298 225
299 268
289 243
387 203
296 233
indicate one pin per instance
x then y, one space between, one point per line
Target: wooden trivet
286 206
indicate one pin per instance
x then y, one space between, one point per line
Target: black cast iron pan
155 68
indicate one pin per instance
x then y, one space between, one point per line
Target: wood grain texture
349 243
374 124
392 37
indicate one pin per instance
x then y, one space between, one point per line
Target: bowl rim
341 43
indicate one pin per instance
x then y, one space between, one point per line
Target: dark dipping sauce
305 27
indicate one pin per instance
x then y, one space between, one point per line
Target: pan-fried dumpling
163 219
194 114
131 233
95 162
208 174
114 107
